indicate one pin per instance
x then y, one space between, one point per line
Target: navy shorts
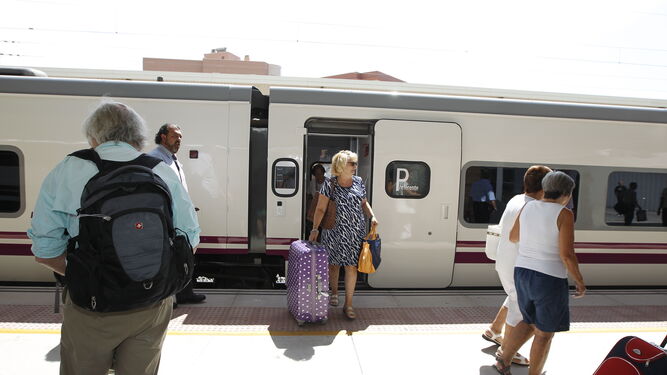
543 300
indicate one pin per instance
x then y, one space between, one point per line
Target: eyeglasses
354 163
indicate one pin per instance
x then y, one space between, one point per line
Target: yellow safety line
28 331
342 332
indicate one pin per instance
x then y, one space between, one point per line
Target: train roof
318 95
268 83
515 107
124 89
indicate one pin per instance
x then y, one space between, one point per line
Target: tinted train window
284 181
636 199
10 182
407 179
489 188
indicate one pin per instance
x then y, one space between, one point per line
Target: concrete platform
395 332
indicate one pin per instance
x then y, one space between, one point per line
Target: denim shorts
543 300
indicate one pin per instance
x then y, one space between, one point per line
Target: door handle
444 211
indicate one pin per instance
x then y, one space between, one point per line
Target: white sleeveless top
507 250
538 239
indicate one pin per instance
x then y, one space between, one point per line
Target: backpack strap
89 154
103 165
146 160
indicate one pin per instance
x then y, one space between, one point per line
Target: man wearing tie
168 139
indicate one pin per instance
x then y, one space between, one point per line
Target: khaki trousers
132 340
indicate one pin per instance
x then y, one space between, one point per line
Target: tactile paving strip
277 321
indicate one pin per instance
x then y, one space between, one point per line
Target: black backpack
127 254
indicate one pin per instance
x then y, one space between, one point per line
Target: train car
247 158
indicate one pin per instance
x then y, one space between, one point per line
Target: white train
247 156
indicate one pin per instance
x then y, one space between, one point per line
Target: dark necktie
177 167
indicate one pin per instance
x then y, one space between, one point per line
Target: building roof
367 76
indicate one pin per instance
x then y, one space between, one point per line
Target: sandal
349 312
493 337
333 299
501 367
518 359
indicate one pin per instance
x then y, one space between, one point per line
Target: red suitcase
634 356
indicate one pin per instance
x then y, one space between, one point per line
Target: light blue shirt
168 158
60 197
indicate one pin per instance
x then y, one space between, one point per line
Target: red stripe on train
14 235
15 249
587 245
605 258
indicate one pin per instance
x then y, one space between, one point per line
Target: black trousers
629 214
482 211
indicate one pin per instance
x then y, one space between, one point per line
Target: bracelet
314 230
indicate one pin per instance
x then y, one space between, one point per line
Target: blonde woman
343 241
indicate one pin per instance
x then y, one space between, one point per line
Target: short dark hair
164 129
532 180
316 167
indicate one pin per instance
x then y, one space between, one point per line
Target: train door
416 168
324 138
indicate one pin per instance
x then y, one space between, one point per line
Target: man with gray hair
91 340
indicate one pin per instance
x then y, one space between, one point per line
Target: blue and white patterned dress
343 241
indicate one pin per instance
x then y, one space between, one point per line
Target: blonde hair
341 159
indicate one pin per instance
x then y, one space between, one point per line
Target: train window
284 181
407 179
489 188
10 181
636 199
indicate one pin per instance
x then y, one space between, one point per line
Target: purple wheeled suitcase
308 282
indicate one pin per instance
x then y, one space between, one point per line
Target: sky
616 48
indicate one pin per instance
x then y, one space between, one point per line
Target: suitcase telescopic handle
321 291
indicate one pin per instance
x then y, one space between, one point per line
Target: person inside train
545 233
168 141
662 207
483 198
314 185
630 203
509 313
619 190
344 240
90 341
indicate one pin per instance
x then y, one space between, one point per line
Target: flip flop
502 370
518 359
349 312
501 367
333 299
493 337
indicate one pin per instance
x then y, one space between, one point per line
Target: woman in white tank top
509 314
545 232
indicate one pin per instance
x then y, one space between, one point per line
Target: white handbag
492 241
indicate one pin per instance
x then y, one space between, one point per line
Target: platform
251 332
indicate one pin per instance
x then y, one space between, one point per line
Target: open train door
416 168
